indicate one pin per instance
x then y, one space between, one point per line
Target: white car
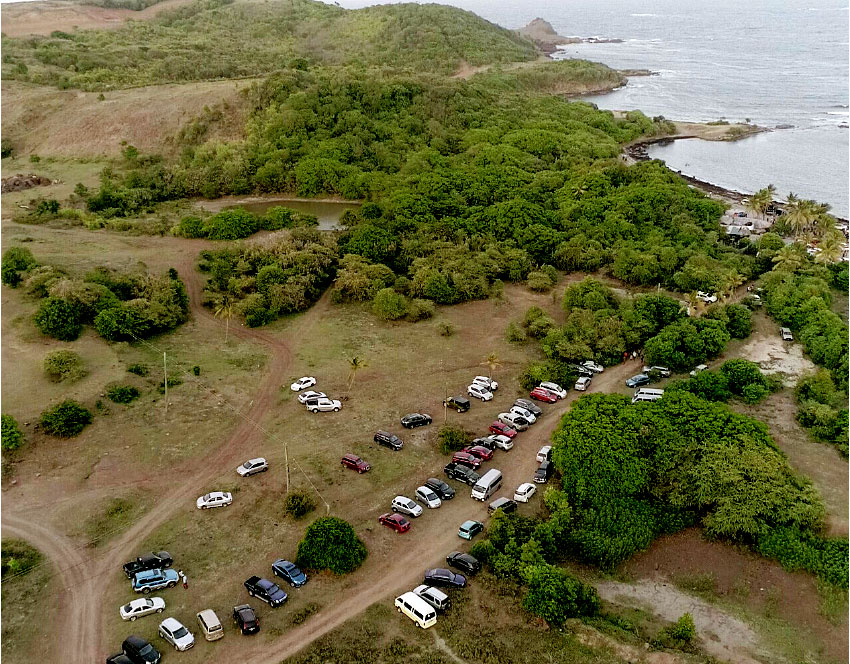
502 442
304 397
479 392
522 412
582 384
524 492
142 607
706 297
214 499
513 420
324 405
253 466
556 389
302 383
428 498
593 366
172 630
487 382
698 369
404 505
544 454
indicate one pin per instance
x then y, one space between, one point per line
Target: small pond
327 212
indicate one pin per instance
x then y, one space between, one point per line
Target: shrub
452 439
389 305
795 549
15 261
555 595
515 333
678 634
298 504
540 282
64 365
708 385
66 419
420 310
59 319
122 393
139 369
446 329
173 381
196 370
745 380
11 436
17 558
231 225
331 543
191 227
740 322
276 218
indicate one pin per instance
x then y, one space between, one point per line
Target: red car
466 459
480 451
542 394
395 521
355 463
502 428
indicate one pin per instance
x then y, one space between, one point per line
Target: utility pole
286 457
165 381
446 398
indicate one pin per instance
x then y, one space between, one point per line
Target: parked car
698 369
210 625
443 490
436 598
302 383
479 392
637 381
306 396
395 521
487 382
555 389
463 562
483 453
517 422
416 420
460 404
708 298
505 504
245 618
252 467
428 498
142 607
388 439
593 366
266 590
323 405
524 492
214 499
544 454
664 372
158 560
529 405
523 412
119 658
466 459
544 472
154 579
786 334
502 429
494 441
544 395
173 631
140 651
404 505
582 370
484 441
444 578
457 471
355 463
289 572
469 529
582 384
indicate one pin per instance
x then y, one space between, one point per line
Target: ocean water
774 62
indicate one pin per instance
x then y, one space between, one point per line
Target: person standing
184 579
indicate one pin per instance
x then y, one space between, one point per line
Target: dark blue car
266 590
289 573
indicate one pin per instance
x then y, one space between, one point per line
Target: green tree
65 420
11 436
331 543
224 309
355 364
64 365
59 319
555 595
389 305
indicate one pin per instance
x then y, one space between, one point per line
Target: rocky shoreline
547 40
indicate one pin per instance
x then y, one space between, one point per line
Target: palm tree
492 363
795 215
788 258
693 303
731 281
225 310
831 248
354 365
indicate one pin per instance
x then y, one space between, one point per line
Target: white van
487 485
417 609
210 625
647 394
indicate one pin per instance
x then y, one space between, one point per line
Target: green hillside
213 39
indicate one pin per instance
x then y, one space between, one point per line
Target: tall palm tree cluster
761 200
812 225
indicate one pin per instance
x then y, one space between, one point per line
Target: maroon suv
466 459
355 463
483 453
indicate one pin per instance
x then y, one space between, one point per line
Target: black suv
486 441
139 651
530 406
460 404
119 658
505 504
582 370
388 439
443 490
542 474
416 420
246 619
161 560
457 471
463 561
266 590
445 578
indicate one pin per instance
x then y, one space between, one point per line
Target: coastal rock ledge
544 36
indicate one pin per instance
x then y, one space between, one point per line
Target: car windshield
180 633
247 464
147 650
208 496
128 607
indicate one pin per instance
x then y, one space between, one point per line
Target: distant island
547 40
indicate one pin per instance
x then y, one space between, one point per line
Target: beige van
210 625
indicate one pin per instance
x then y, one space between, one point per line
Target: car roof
257 460
469 523
526 485
136 641
172 623
209 616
